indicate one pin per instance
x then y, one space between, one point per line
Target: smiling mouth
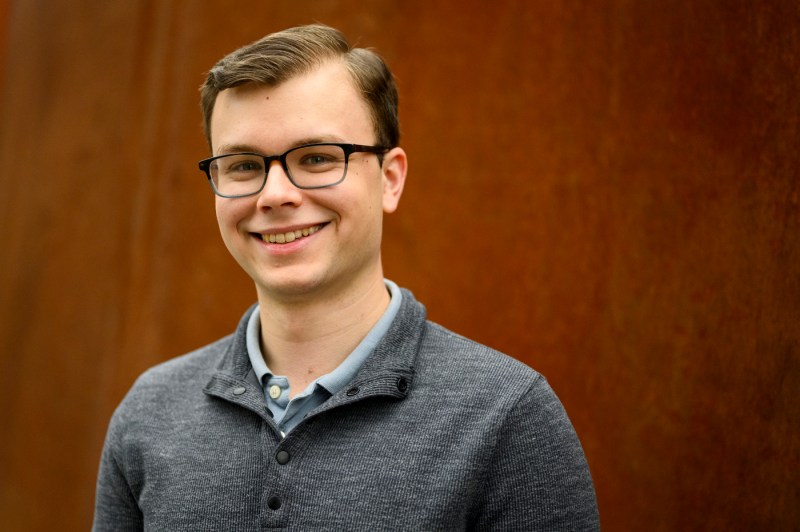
291 236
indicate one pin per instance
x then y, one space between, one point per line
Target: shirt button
275 391
274 503
239 390
282 457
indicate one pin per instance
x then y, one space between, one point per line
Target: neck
304 340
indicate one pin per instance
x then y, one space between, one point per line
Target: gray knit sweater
434 433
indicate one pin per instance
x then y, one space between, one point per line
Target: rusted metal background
608 191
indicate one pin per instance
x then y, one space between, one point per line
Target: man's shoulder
173 382
447 343
449 358
459 359
196 363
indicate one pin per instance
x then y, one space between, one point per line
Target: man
335 405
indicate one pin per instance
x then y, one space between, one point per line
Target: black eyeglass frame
349 149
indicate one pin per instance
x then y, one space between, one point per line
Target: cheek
220 211
229 215
229 212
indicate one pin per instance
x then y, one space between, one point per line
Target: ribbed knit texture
434 433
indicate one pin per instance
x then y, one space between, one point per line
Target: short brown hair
280 56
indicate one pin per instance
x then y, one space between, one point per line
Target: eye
240 165
316 159
249 165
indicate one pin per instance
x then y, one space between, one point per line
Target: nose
278 191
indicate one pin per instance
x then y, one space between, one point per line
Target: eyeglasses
309 166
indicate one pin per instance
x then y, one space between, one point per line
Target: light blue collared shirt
287 414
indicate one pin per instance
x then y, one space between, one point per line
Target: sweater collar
387 371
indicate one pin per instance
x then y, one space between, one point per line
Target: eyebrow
227 149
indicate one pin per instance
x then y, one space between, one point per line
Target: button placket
275 501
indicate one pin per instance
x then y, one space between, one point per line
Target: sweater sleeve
538 478
115 505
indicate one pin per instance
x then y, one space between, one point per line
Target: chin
288 287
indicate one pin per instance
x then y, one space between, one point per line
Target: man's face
342 250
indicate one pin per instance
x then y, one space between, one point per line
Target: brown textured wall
609 192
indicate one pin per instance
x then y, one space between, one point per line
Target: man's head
281 56
279 118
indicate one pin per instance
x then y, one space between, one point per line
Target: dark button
239 391
274 503
402 384
282 457
353 391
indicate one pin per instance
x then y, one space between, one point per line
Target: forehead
323 103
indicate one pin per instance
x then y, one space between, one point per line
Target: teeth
291 236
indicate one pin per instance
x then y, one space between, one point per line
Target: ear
394 168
